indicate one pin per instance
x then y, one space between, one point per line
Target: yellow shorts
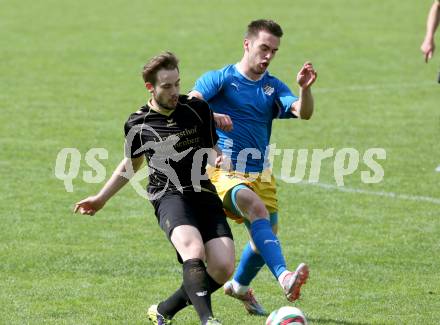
263 184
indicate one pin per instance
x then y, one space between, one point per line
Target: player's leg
196 288
265 241
228 186
268 244
220 258
219 249
250 263
217 238
251 260
189 244
175 216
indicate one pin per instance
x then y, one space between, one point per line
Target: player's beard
170 104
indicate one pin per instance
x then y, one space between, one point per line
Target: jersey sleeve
209 84
132 139
283 101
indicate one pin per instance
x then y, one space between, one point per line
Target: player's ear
149 86
246 43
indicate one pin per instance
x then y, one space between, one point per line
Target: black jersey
171 142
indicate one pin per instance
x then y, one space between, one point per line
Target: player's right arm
133 160
428 45
206 87
196 94
222 121
121 175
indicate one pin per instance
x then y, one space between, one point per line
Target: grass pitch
70 76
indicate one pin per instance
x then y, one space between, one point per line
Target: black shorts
203 210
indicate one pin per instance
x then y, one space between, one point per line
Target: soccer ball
286 315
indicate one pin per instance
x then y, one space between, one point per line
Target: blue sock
268 245
250 261
250 264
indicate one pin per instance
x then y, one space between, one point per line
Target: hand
306 76
428 48
223 122
89 206
223 162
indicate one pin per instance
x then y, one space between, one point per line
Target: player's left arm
305 78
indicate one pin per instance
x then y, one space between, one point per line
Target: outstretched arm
121 175
303 107
428 45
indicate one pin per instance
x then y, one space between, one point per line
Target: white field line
393 195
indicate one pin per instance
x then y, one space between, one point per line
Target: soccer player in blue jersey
245 99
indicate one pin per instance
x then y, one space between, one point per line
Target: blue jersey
252 105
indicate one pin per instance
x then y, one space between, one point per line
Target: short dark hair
165 60
263 24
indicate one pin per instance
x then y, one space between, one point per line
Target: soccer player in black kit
175 134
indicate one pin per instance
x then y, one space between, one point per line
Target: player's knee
222 272
192 249
258 210
252 205
229 268
221 266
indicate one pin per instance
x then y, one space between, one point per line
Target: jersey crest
268 90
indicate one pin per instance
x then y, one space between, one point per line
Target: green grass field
69 78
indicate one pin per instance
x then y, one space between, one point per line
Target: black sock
174 303
196 284
179 300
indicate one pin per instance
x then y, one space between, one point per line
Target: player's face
260 51
167 88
